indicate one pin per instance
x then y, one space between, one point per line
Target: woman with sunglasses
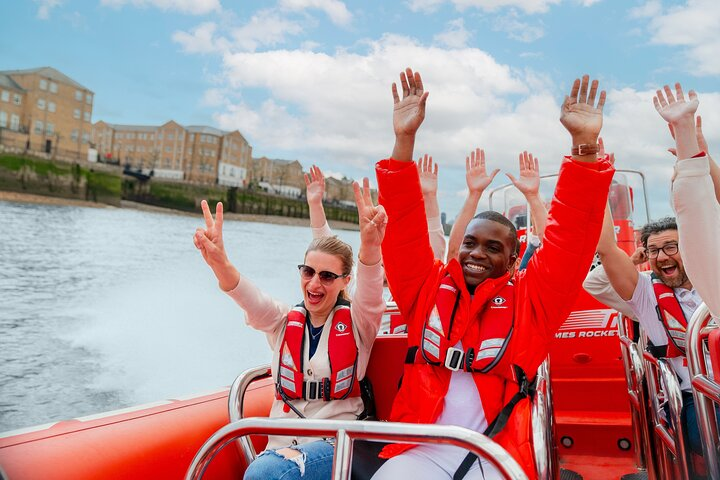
324 329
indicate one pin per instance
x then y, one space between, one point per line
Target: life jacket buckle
454 359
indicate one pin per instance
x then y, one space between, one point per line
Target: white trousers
419 464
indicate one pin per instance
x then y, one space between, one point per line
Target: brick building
198 154
45 112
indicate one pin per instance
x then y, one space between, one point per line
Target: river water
104 308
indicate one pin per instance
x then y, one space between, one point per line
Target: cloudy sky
310 79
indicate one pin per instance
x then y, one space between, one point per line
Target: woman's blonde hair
334 246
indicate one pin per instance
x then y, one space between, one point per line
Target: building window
38 127
192 137
85 137
88 99
49 128
3 119
152 136
131 135
51 107
168 149
43 84
86 116
14 122
5 96
53 87
17 99
76 114
41 103
159 136
170 136
78 95
119 136
74 135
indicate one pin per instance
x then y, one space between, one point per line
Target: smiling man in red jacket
476 333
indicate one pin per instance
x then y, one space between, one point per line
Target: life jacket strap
316 390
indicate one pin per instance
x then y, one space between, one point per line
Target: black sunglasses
326 278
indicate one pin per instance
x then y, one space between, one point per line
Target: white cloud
528 6
455 36
192 7
692 26
46 7
516 29
201 39
334 109
649 9
335 9
266 27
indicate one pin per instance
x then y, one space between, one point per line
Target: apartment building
195 153
284 177
45 112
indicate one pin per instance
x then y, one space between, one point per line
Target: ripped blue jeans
314 463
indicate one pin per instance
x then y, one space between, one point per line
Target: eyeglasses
669 249
326 278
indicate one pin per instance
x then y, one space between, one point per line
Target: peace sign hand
373 221
210 241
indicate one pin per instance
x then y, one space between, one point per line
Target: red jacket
544 292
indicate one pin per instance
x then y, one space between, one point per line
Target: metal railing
543 427
705 390
635 377
664 390
346 432
236 405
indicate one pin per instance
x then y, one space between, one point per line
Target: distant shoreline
274 219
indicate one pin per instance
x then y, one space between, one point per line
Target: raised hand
372 220
428 175
674 109
579 115
409 113
210 243
315 184
475 172
529 181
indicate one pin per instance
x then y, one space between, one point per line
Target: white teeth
477 268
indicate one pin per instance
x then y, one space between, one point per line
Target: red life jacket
342 355
672 317
496 326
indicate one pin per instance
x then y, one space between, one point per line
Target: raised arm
407 255
477 181
702 143
529 186
315 191
428 173
262 312
618 266
694 201
556 272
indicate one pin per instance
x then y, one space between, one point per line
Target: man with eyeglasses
662 301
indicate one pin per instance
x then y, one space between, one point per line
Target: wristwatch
585 149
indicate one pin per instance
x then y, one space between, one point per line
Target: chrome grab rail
346 432
635 376
705 390
236 403
663 385
543 426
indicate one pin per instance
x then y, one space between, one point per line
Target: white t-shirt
462 408
644 303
